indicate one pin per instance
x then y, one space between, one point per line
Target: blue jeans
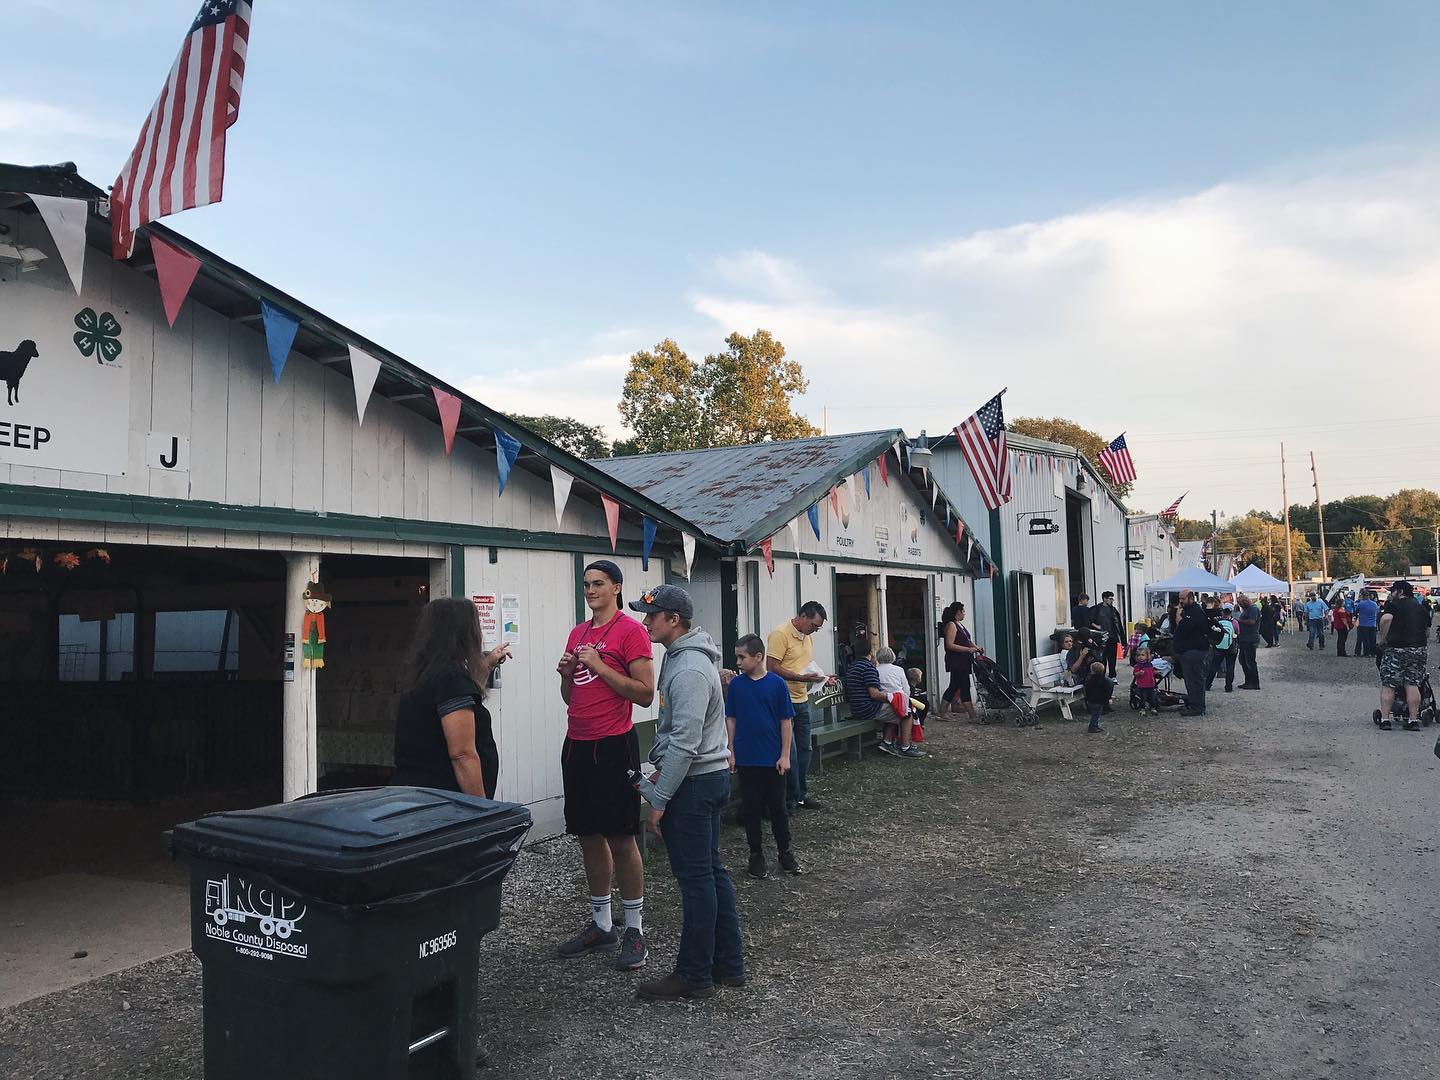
1095 712
710 928
1317 633
1365 641
1193 668
795 789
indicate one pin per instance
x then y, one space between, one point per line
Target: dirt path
1246 895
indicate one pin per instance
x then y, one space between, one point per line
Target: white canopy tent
1192 577
1257 582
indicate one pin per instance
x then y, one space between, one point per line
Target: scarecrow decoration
312 630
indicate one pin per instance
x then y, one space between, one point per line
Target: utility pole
1215 542
1320 513
1285 498
1269 551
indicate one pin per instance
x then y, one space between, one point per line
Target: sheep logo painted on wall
67 383
258 921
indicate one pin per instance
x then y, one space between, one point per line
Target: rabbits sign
63 361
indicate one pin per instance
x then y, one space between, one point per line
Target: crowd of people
752 724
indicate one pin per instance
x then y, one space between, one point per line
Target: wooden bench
830 728
1045 686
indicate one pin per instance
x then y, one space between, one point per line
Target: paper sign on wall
167 452
488 612
510 616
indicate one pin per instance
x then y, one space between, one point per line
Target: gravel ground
1246 895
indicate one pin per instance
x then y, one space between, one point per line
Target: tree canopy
582 440
1058 429
740 395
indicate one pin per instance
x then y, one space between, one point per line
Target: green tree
1412 515
582 440
1258 538
1359 552
738 396
748 389
1058 429
662 401
1192 528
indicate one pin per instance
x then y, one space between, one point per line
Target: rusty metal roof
742 494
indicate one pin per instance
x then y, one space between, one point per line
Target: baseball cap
609 569
665 598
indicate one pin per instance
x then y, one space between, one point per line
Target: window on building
97 650
196 642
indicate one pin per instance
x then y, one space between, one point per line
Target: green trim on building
997 596
112 508
457 571
752 586
581 612
729 606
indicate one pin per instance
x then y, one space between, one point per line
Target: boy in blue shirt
759 715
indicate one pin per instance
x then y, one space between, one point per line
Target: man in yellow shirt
790 654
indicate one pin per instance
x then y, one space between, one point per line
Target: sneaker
589 939
788 863
633 951
1386 725
758 869
673 988
811 803
887 747
1412 725
1095 730
912 752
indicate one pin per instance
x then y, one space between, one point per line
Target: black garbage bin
339 933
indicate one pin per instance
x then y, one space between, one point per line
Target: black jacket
1192 631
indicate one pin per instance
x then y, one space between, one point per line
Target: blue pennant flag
280 328
867 481
649 526
814 515
507 449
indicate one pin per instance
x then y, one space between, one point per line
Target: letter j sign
166 452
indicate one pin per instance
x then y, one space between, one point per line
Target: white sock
600 912
633 911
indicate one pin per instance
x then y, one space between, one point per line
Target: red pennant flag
449 406
884 473
767 549
959 531
835 501
175 270
612 518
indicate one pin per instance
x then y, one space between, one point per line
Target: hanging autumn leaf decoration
99 555
67 560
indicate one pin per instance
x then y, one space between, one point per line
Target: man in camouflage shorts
1404 629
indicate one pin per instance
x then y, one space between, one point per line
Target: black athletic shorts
599 798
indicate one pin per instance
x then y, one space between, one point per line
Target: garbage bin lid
365 844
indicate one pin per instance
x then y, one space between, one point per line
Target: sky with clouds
1211 226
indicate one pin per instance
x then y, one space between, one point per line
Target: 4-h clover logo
98 332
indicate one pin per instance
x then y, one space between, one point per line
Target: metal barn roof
742 494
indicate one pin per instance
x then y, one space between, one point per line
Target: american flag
1171 512
982 440
1117 461
179 160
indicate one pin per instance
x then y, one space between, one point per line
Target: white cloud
1285 299
586 389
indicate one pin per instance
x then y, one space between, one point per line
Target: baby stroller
1165 698
1001 693
1400 708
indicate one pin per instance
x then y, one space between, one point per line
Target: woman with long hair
443 736
960 653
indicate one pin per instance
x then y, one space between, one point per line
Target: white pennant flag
364 369
969 547
687 545
794 526
934 495
65 218
560 482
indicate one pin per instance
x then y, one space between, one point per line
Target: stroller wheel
1375 716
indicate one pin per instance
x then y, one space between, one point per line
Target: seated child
759 716
896 714
1098 689
1144 670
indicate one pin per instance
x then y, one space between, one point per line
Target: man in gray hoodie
686 793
